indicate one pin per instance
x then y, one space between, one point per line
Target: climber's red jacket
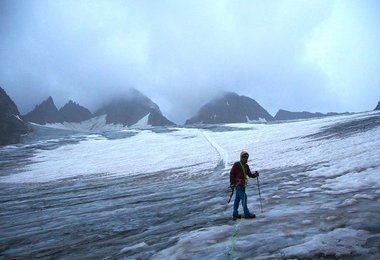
237 174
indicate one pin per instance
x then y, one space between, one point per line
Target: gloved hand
232 186
257 173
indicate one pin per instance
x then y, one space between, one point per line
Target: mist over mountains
135 109
125 110
131 108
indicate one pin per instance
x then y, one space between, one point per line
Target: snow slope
161 194
98 123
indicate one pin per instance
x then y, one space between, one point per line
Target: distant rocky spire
378 106
46 112
6 104
73 112
11 126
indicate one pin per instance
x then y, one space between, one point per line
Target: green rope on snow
234 237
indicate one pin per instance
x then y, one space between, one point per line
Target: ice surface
98 124
143 153
161 193
337 243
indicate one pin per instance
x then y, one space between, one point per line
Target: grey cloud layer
284 54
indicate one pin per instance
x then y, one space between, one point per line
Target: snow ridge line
223 154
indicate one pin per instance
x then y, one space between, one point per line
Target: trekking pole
232 193
258 185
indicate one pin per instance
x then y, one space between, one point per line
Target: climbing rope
236 233
234 237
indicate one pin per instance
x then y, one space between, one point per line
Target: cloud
294 55
347 53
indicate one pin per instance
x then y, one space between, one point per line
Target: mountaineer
239 174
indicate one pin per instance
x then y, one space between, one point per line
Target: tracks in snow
223 154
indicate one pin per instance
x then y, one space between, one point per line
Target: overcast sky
295 55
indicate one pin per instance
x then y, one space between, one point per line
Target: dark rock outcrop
131 108
73 112
11 126
44 113
288 115
378 106
157 119
230 108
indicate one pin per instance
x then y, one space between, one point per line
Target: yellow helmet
243 153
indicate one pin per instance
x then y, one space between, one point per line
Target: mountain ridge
126 110
229 107
290 115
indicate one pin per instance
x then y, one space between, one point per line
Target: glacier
161 193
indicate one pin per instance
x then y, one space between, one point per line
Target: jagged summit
73 112
230 108
127 110
46 112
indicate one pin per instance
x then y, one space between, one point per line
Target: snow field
320 195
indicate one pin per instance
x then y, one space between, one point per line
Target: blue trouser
240 195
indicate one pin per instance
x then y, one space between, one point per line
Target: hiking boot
236 217
250 215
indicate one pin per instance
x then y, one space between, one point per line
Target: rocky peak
6 104
73 112
46 112
11 126
132 107
230 108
